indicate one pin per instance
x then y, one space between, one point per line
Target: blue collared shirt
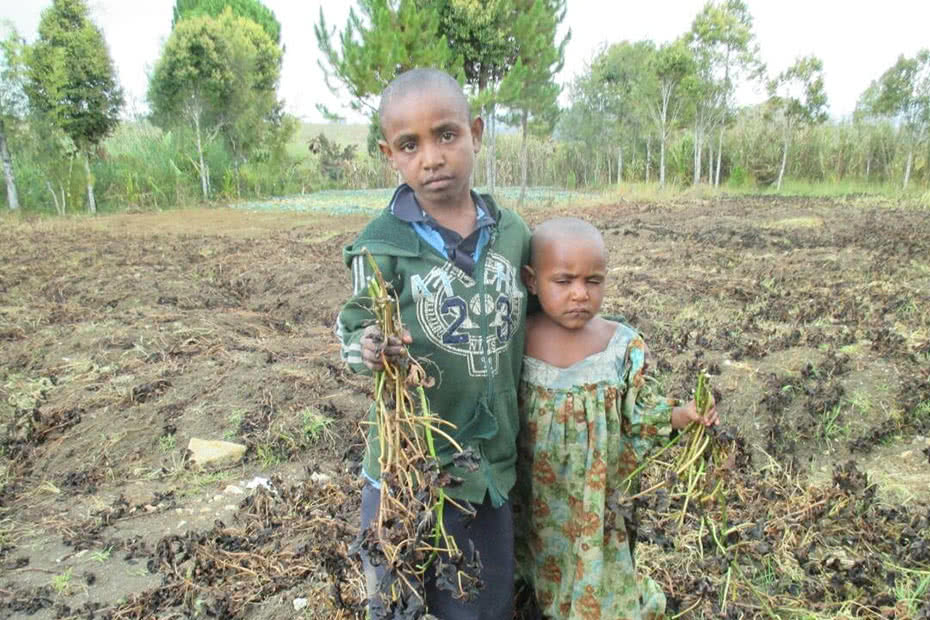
463 252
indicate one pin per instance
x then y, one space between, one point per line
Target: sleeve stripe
358 274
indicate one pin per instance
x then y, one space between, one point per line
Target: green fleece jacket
467 331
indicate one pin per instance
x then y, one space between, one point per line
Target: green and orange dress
584 430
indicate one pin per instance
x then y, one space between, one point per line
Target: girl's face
568 277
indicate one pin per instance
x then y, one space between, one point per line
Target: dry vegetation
124 336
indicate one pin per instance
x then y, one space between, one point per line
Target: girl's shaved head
561 229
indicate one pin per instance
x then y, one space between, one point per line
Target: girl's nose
580 291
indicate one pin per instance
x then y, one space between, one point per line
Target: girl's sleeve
647 414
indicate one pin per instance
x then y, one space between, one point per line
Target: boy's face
431 142
567 275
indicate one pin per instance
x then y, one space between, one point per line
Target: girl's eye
447 136
408 147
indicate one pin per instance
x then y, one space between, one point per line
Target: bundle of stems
409 531
702 452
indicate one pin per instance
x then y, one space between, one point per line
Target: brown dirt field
122 337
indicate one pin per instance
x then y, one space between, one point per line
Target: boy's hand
684 415
373 345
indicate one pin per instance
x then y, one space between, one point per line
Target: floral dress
585 429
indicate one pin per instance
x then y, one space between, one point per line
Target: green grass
62 583
167 443
315 425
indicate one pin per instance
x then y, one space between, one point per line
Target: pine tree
529 88
378 43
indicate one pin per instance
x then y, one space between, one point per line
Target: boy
453 258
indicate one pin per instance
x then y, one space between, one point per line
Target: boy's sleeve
356 313
648 413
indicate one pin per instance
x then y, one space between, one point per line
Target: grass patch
316 425
62 583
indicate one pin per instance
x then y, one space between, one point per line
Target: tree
725 49
615 86
12 106
221 76
529 88
377 44
903 93
472 39
671 65
797 97
483 35
252 9
72 81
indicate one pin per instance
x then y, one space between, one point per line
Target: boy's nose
432 156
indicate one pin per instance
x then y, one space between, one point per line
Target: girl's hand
685 414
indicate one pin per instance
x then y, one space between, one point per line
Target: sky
856 39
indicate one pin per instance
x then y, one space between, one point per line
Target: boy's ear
528 274
477 132
386 149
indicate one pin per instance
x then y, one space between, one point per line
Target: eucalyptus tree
724 45
71 80
797 98
616 86
12 106
903 93
671 66
220 76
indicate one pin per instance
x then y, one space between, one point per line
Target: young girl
588 419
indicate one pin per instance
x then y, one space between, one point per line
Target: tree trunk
12 199
91 201
490 140
868 167
662 161
784 160
204 178
710 162
907 168
619 165
719 158
648 156
51 190
524 156
698 147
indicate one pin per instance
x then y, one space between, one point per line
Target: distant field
343 133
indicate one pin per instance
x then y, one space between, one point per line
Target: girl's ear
528 274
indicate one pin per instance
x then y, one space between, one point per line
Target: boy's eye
408 147
447 136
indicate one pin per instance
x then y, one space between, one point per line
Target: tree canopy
71 74
379 42
251 9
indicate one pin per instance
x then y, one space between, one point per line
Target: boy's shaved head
418 81
560 229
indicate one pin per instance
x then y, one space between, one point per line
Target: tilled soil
123 337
